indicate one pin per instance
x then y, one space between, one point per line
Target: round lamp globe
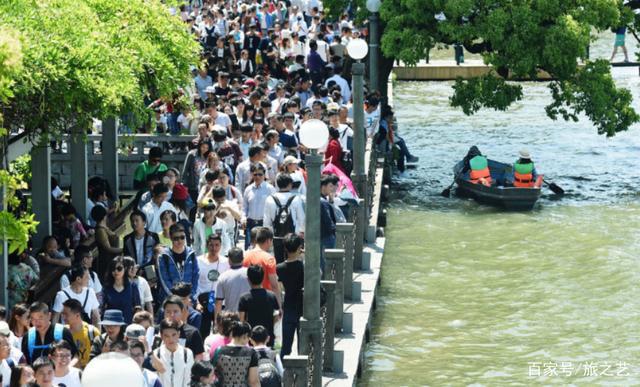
357 48
112 369
373 5
314 134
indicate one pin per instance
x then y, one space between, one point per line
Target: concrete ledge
448 70
352 345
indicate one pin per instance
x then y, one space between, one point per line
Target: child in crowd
51 255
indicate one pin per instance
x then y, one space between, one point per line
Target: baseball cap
134 331
4 328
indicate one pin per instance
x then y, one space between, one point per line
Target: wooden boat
507 197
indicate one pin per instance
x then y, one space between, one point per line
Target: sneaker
413 159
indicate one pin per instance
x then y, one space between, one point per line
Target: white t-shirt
94 282
184 121
92 300
223 120
144 289
206 268
372 121
5 370
139 246
177 372
71 379
345 134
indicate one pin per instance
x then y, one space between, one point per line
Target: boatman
524 172
479 170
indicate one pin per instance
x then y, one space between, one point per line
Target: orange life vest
523 175
523 180
482 176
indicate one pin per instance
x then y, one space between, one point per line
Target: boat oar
554 187
447 191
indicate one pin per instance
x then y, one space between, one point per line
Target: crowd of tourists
213 260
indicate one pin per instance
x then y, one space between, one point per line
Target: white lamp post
314 135
357 49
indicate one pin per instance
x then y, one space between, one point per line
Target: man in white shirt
345 90
202 81
172 361
211 265
272 208
243 172
323 48
245 141
270 162
219 118
272 138
346 133
78 290
84 255
371 116
157 206
254 198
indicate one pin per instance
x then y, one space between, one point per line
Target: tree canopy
93 58
518 38
14 229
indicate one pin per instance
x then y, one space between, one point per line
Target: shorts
619 40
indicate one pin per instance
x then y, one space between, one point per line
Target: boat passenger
478 167
524 171
473 152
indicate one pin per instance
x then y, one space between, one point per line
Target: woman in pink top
224 321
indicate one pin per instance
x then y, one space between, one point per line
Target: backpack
267 371
347 154
283 222
31 339
85 317
90 329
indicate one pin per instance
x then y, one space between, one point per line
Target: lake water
474 296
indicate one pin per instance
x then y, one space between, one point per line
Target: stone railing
295 371
328 318
345 241
341 263
335 272
133 149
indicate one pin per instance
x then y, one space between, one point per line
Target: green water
474 296
483 299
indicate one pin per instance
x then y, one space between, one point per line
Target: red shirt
333 154
264 259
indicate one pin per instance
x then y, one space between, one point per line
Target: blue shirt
125 300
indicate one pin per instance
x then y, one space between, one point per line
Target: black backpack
283 222
85 317
267 371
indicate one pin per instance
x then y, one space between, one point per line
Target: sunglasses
179 238
258 174
119 268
